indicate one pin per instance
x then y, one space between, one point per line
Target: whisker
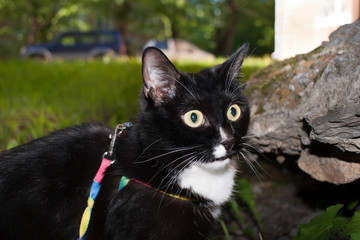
248 136
227 80
190 161
174 179
254 160
147 148
164 154
234 76
174 169
233 92
252 167
181 84
167 187
185 148
256 150
169 164
251 53
248 83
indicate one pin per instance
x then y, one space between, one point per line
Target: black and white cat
180 159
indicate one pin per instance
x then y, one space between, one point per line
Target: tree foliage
219 26
33 21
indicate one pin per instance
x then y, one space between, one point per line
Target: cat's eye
194 118
233 113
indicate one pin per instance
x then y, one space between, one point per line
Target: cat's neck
136 159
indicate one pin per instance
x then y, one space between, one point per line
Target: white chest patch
213 181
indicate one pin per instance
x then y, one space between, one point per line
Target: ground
285 197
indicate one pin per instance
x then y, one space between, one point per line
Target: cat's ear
159 75
232 65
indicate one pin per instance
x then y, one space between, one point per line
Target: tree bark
225 36
231 28
34 23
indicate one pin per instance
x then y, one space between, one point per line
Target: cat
179 158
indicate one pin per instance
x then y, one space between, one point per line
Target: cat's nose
228 143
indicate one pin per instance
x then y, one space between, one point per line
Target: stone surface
309 106
340 127
330 169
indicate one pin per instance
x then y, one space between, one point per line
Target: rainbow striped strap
95 188
123 182
94 191
96 185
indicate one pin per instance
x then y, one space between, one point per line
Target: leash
107 161
96 185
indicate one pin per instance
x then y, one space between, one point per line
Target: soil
286 197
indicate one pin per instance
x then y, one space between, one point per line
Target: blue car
74 45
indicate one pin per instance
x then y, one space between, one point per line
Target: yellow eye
194 118
234 113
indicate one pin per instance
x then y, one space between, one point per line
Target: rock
330 169
309 106
340 127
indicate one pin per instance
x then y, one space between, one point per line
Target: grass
37 98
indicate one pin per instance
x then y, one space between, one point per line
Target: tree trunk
34 23
225 36
122 18
232 26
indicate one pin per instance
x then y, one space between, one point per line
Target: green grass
37 98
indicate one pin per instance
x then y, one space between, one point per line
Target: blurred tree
245 21
219 26
225 33
29 21
142 19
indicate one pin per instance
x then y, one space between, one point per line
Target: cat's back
41 179
76 146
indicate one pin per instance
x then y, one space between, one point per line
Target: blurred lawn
37 97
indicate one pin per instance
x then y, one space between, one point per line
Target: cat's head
192 117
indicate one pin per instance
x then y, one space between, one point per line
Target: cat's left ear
232 65
159 75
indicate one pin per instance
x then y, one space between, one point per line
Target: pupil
194 117
233 111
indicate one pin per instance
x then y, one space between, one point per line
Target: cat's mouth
229 155
220 163
222 158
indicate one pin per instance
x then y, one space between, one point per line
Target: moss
316 50
266 82
276 77
260 109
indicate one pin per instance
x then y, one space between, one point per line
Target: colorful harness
96 185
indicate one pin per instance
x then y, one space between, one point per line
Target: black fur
44 185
